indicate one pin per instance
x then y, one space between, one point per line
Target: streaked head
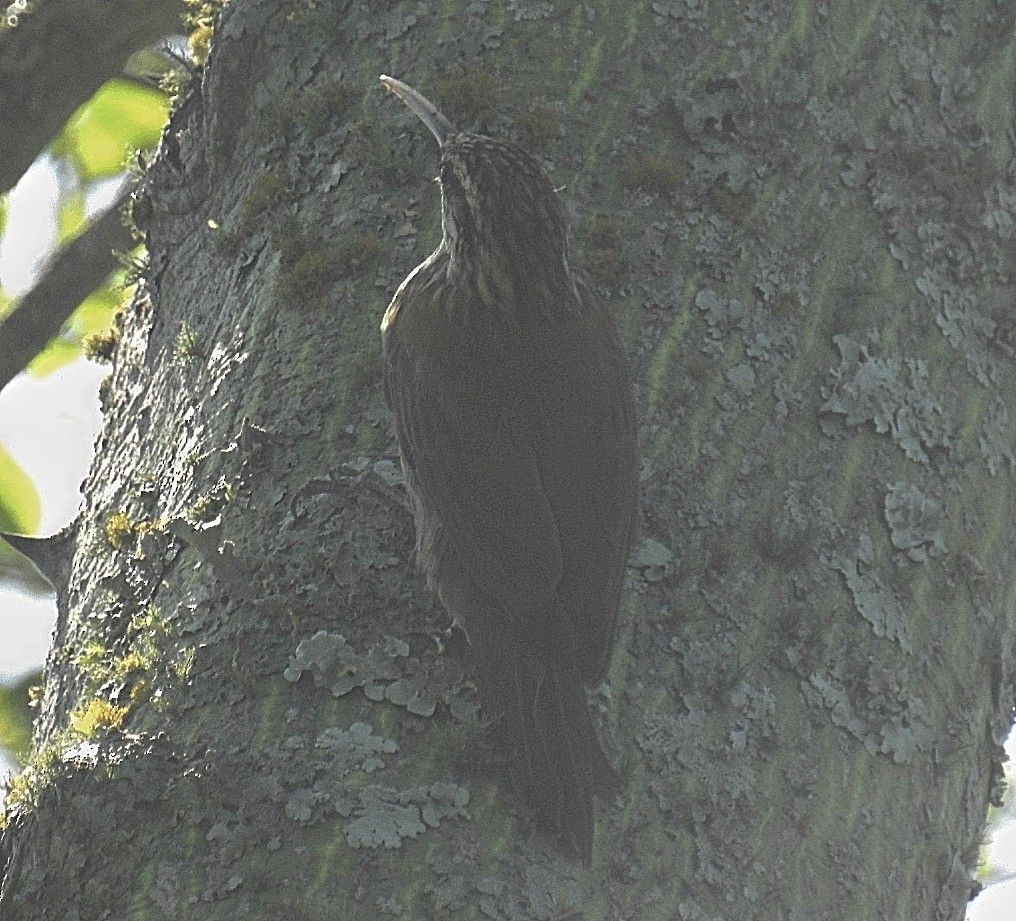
495 197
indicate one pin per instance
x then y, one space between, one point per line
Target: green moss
199 43
97 716
303 280
591 68
608 267
135 267
205 508
313 111
652 174
603 232
325 104
265 194
100 347
460 743
16 704
228 242
24 788
603 258
473 97
210 506
200 19
136 212
993 104
185 346
538 126
149 661
120 530
134 674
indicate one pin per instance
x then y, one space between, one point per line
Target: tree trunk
804 223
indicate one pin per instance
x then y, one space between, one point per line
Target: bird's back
514 419
518 447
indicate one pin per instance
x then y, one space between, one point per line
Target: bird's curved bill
422 107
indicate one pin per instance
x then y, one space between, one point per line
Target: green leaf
70 216
6 303
19 502
151 63
16 718
94 314
122 116
58 352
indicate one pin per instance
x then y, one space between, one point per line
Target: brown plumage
514 419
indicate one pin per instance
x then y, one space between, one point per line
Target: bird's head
497 202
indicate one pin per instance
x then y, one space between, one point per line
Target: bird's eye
445 171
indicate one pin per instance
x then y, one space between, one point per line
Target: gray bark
803 223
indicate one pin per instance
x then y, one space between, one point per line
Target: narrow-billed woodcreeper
514 419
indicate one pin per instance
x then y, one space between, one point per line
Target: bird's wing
586 459
523 451
469 459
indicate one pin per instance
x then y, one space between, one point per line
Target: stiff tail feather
541 726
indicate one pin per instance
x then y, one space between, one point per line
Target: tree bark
803 221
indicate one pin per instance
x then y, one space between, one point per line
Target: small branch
51 555
57 57
78 269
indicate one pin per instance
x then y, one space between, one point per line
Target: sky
48 424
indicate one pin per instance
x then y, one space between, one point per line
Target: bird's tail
541 726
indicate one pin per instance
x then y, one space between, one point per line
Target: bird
515 423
